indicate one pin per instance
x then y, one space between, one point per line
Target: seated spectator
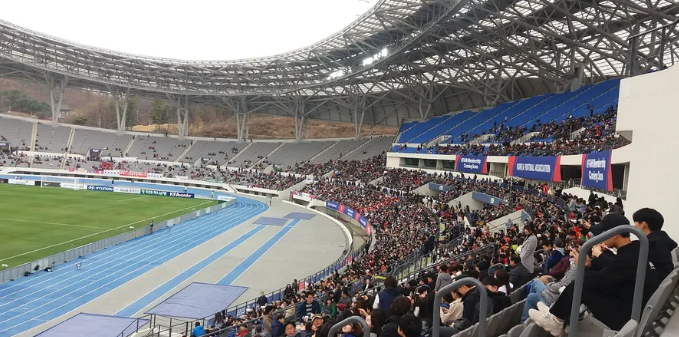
198 330
518 275
454 310
309 307
498 301
556 255
546 290
277 329
502 277
409 326
661 245
399 307
607 293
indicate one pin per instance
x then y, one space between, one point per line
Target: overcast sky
191 30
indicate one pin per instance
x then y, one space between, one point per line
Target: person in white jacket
527 249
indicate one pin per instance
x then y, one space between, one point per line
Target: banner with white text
538 168
596 170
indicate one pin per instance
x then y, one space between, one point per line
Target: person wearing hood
661 245
385 297
556 256
443 279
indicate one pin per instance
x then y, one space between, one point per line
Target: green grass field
37 222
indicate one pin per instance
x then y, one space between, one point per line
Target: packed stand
349 170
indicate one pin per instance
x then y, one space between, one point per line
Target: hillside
97 110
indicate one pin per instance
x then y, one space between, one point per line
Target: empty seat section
291 153
118 147
407 125
85 139
420 128
17 132
252 154
341 148
51 139
371 148
215 150
441 128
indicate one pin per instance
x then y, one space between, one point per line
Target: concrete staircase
68 148
128 147
181 155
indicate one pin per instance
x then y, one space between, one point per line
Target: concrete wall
467 200
516 217
648 113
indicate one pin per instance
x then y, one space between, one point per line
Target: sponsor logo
179 194
73 186
224 198
99 188
332 205
153 192
127 190
133 174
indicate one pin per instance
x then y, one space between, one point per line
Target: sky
189 30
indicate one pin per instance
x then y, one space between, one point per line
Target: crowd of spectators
356 170
596 133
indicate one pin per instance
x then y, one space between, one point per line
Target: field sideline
37 222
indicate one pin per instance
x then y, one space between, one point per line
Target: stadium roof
401 59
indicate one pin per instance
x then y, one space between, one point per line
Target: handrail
352 319
580 273
483 306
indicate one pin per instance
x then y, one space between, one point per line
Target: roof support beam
56 86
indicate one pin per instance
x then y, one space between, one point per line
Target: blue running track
31 301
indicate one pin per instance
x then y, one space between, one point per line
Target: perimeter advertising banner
596 170
471 164
351 213
99 188
538 168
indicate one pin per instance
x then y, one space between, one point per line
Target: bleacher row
55 141
448 129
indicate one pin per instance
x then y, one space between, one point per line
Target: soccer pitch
37 222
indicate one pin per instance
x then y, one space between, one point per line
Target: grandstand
528 134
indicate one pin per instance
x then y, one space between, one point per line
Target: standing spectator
528 248
661 245
385 297
262 300
443 279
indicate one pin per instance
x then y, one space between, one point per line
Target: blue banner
99 188
538 168
180 195
488 199
596 170
471 164
438 187
332 205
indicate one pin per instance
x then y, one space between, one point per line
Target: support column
182 105
242 126
301 120
358 107
56 87
121 99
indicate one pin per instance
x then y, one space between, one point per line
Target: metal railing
483 305
14 273
642 262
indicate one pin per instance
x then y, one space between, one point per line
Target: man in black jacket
519 275
661 245
608 293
